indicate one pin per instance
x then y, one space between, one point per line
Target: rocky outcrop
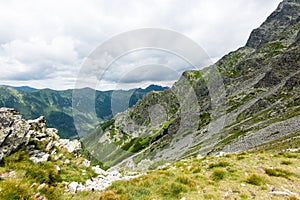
101 182
32 135
16 133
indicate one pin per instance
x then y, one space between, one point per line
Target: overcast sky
44 43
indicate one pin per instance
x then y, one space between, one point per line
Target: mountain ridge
261 81
57 105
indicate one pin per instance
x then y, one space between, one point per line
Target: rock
40 157
67 161
16 132
86 163
70 145
73 187
59 156
41 186
10 175
99 171
38 196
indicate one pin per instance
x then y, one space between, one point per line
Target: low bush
12 190
174 189
286 162
219 164
255 179
218 174
278 172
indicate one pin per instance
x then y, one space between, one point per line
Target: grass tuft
174 189
218 174
286 162
255 179
278 172
108 195
219 164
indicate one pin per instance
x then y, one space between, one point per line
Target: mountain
56 106
249 99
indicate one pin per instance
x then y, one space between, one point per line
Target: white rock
70 145
58 156
67 161
73 187
99 171
86 163
41 186
40 157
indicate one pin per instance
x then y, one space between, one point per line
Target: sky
45 44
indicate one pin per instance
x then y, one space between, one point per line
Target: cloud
49 40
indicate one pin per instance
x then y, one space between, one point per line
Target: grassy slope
234 176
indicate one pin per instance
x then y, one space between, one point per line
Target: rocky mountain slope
252 102
56 106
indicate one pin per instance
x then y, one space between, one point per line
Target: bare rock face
276 25
16 133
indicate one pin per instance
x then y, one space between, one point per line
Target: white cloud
42 41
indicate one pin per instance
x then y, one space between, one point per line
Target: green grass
278 172
219 164
286 162
211 177
218 174
255 179
14 190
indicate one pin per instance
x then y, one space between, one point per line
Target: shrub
288 155
286 162
12 190
196 170
108 195
186 181
51 192
240 157
14 158
278 172
255 179
219 164
174 189
43 173
218 174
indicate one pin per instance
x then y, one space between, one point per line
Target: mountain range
249 99
56 106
